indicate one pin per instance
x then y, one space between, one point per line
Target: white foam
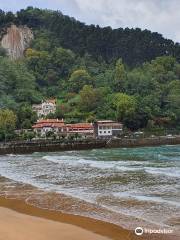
170 172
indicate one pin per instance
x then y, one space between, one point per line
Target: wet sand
19 221
26 220
16 226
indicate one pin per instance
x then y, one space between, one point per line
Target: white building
45 108
108 128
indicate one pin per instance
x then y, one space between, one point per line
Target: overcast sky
161 16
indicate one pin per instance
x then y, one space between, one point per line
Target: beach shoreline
98 227
80 189
81 227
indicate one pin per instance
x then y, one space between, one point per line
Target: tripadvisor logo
139 231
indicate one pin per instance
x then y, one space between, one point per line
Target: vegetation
7 124
128 75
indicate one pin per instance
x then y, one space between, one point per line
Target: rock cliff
16 40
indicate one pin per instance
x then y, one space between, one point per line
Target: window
104 131
109 131
100 132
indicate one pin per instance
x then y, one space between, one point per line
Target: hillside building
45 108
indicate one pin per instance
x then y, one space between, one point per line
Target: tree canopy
134 46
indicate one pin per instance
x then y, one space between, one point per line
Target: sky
161 16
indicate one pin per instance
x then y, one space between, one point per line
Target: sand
21 221
16 226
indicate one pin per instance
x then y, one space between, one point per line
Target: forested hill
134 46
128 75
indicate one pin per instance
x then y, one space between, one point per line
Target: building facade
107 129
85 130
45 108
100 129
45 126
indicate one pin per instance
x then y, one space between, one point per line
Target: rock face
16 40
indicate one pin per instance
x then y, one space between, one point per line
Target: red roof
51 101
80 125
49 123
56 123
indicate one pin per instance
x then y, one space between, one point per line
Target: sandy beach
19 221
95 194
16 226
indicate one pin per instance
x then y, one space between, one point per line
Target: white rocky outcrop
16 40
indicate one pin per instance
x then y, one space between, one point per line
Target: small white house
45 108
108 129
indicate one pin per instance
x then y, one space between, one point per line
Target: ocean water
125 186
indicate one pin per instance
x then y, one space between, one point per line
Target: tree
26 117
140 81
125 106
63 60
10 17
78 79
3 52
173 101
28 136
89 98
17 81
119 76
163 68
7 122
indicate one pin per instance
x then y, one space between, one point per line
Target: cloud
156 15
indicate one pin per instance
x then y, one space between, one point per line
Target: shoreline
101 230
28 147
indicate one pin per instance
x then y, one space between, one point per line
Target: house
107 129
100 129
59 128
44 126
45 108
85 130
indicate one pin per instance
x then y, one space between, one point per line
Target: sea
129 187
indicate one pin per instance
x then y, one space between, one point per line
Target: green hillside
127 75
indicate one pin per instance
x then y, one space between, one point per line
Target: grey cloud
157 15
